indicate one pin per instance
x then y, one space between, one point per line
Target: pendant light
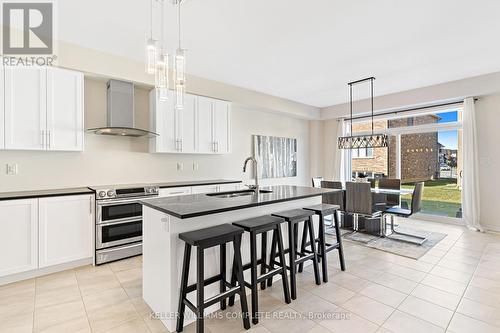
162 65
362 141
180 67
151 50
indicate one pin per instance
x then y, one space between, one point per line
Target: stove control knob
102 194
149 190
111 193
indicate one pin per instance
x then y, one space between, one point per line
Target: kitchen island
165 218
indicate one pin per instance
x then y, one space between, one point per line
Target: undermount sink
235 194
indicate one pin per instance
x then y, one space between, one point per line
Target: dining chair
390 184
333 199
316 181
416 206
359 202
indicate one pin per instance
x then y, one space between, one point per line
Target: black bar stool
261 225
204 239
323 210
293 218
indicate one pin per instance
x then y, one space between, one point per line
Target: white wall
110 160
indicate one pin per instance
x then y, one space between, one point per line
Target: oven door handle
118 222
115 202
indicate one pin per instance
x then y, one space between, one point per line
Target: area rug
397 247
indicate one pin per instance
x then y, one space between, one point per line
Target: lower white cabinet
37 233
19 236
205 189
173 191
65 229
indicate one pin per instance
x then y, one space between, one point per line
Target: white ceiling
305 51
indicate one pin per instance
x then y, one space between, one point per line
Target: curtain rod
409 109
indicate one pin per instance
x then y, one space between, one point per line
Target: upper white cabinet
163 120
205 132
19 236
65 229
221 128
64 109
25 108
43 109
202 127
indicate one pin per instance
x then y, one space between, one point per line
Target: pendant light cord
179 1
151 19
371 81
162 27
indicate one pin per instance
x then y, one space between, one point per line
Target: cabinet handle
217 146
182 145
179 192
90 205
43 138
49 137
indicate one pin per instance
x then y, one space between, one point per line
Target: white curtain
470 190
341 169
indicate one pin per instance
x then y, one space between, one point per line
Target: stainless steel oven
118 228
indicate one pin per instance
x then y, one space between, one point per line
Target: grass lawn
441 197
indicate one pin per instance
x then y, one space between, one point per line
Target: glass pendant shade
180 78
151 54
161 76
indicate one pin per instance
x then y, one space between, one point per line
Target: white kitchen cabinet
65 229
205 125
19 236
25 101
43 109
221 134
205 189
187 125
201 127
64 110
174 191
163 122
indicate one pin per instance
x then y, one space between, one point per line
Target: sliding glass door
425 147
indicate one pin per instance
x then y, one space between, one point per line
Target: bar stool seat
293 217
323 210
214 234
266 222
255 226
203 239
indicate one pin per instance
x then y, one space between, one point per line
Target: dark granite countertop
44 193
86 190
188 206
197 183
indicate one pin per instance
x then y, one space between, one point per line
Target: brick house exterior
420 152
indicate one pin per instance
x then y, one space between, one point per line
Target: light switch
12 169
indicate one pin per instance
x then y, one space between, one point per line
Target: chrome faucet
256 186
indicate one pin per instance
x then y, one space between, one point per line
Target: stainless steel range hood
121 112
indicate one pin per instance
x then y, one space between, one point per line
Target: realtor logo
28 28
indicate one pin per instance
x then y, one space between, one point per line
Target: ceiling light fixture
362 141
180 66
151 51
162 64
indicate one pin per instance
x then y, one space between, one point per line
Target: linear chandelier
158 60
362 141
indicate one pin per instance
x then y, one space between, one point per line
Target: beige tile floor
455 287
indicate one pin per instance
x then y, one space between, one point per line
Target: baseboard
44 271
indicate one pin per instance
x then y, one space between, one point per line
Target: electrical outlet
180 166
195 166
12 169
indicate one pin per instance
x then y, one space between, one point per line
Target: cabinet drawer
171 192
